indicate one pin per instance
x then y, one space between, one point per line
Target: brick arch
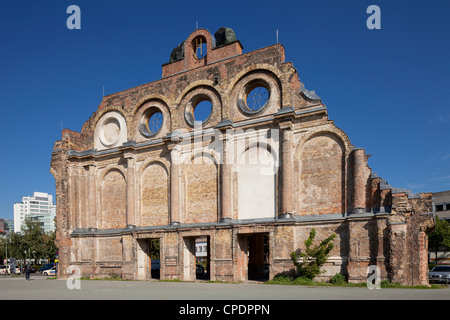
259 75
151 101
187 98
191 61
109 169
200 83
255 67
273 150
338 133
153 97
100 113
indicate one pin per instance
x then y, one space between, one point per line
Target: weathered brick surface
154 196
201 192
322 176
112 202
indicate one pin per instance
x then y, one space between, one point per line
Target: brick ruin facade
120 184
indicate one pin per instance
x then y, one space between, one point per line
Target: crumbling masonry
261 169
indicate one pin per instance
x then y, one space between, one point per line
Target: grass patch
339 282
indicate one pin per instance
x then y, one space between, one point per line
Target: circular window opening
202 110
151 122
257 98
155 122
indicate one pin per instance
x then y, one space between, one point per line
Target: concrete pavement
40 288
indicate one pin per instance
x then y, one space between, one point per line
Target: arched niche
201 191
113 201
154 196
321 175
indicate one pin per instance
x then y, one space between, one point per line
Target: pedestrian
27 271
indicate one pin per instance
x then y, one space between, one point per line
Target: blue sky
388 89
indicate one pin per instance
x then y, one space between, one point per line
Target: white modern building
39 207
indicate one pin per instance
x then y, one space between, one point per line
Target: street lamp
6 245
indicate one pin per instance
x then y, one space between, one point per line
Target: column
358 161
131 191
287 171
92 196
175 162
226 175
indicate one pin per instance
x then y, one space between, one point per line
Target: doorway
196 258
155 258
254 256
148 259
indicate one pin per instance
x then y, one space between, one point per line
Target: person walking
27 271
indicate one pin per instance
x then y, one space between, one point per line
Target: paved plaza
41 288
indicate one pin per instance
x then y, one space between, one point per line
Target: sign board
171 261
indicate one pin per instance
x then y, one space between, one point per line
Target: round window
155 122
257 98
254 97
151 122
199 109
202 110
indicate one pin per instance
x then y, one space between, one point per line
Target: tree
440 238
50 248
314 257
16 246
31 243
33 238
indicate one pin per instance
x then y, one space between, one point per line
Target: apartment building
38 207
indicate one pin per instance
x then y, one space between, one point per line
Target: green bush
338 279
314 257
303 281
282 279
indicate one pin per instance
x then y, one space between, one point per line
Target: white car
7 270
17 269
50 272
3 269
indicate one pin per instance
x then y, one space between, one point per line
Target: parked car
50 272
17 269
440 274
3 269
47 266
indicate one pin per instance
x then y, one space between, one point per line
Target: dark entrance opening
202 258
155 262
258 257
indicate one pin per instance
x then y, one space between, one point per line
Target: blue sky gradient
388 89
